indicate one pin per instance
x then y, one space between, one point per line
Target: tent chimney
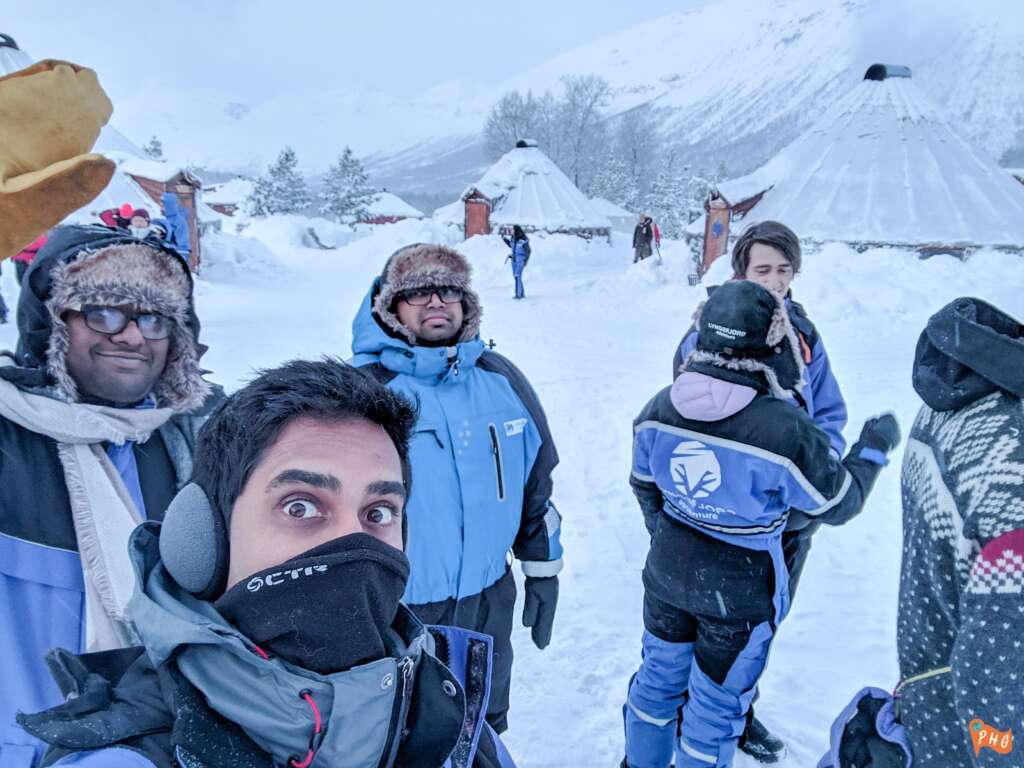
885 71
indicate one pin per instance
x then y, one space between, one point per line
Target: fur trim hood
97 265
746 337
423 265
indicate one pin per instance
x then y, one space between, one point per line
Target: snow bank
230 258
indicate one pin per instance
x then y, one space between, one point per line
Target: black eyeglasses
112 320
420 297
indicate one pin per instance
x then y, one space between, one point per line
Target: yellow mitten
50 116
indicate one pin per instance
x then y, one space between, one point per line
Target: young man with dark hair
482 457
723 463
769 254
98 414
269 605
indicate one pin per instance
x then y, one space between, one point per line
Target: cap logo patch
726 331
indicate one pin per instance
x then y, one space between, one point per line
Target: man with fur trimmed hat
481 456
723 463
98 413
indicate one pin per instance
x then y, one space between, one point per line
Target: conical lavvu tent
885 166
525 187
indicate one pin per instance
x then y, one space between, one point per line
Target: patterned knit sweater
962 583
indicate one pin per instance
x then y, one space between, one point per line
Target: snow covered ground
596 336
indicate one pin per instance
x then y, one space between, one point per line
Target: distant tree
346 194
282 189
582 123
638 144
516 116
154 149
668 201
613 181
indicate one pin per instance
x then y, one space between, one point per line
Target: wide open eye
302 509
381 514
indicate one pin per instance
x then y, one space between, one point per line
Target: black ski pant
489 613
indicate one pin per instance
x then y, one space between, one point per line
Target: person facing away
961 605
723 463
520 245
269 605
643 235
768 253
98 413
482 457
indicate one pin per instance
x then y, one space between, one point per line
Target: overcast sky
250 47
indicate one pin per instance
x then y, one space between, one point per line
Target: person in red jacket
24 257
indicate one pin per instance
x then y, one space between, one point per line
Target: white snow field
596 336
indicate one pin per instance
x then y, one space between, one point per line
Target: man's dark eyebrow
384 487
305 477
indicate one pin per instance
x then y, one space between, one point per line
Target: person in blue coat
723 464
520 256
173 228
482 456
769 254
98 414
269 605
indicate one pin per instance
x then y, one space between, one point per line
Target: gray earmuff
194 543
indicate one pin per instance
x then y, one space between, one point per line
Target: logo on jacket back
695 469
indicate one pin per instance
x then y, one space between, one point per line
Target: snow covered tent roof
525 187
884 165
389 205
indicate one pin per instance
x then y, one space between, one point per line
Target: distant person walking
643 236
520 245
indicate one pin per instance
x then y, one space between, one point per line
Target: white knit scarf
103 511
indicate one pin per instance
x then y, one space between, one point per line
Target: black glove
539 608
881 433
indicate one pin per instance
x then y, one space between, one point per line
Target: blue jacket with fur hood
482 454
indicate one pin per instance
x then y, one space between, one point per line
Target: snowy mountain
733 81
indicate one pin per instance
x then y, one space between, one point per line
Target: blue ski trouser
695 683
517 273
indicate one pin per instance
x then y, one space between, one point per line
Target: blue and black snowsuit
520 256
717 492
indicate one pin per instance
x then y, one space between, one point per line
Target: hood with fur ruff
96 265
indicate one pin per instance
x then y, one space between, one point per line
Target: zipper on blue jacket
498 469
403 699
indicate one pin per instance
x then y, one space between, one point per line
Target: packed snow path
596 336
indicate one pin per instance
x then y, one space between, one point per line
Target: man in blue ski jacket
769 254
481 456
269 605
723 463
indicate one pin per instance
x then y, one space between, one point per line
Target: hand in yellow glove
50 116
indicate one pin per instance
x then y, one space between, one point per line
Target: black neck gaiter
326 610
